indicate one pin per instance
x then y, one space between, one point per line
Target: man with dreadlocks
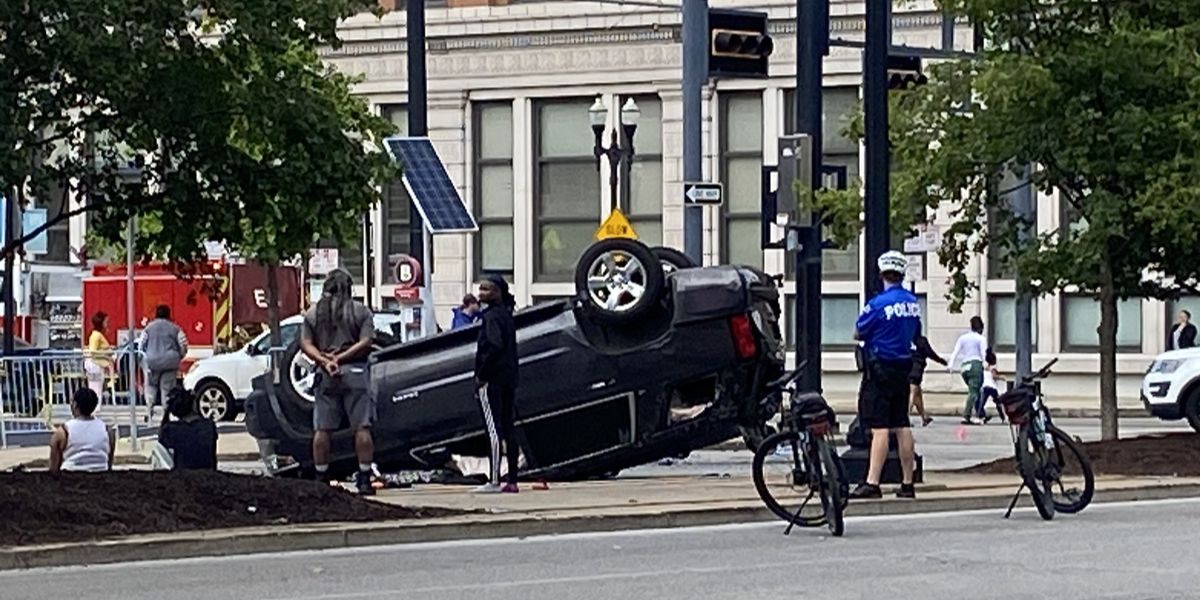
496 380
337 335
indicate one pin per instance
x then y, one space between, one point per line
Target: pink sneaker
509 488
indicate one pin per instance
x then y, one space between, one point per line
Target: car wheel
671 259
1191 410
753 436
215 401
618 280
298 379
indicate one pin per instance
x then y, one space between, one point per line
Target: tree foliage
1103 100
247 137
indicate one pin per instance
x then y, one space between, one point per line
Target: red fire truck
205 302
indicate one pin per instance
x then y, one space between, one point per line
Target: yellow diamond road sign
616 226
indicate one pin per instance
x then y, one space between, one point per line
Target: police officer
887 327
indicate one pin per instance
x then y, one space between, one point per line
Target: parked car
223 381
1171 388
638 366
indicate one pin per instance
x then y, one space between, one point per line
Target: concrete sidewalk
941 404
565 508
232 446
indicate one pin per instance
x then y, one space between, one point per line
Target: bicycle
802 456
1039 447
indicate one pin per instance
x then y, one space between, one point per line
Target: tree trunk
273 305
1108 355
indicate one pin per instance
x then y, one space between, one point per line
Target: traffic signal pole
695 72
878 177
812 32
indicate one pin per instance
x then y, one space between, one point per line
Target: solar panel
429 186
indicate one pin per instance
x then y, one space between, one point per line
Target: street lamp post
131 175
615 152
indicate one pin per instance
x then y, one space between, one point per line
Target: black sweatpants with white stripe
496 402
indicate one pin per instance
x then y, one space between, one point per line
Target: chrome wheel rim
300 372
616 281
212 404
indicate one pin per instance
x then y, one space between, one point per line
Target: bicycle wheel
1032 460
781 478
1074 483
833 496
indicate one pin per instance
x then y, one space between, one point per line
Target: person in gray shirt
163 346
337 336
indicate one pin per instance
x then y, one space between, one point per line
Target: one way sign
699 192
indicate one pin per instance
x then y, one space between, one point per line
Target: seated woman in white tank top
83 444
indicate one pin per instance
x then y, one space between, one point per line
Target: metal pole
947 30
418 126
875 99
10 302
130 319
811 30
695 72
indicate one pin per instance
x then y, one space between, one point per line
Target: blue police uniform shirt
888 324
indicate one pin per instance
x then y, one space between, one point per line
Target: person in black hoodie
922 353
496 379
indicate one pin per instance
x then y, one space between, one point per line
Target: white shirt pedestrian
971 346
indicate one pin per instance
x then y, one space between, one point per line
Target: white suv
1171 388
222 382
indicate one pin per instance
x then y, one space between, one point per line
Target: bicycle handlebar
1041 373
788 377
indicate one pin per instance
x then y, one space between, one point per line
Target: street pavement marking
413 547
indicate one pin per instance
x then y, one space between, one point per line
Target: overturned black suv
651 359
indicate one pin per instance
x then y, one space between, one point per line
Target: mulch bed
43 508
1174 454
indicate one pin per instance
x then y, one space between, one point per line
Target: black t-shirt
193 443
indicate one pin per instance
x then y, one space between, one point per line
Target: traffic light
904 72
739 45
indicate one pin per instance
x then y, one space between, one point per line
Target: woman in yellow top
97 364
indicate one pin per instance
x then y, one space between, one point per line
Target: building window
1002 322
837 150
741 172
1188 303
997 252
395 205
1081 319
644 183
838 316
493 145
567 188
58 236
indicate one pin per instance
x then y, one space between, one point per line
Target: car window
289 332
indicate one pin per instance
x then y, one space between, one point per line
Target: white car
1171 388
222 382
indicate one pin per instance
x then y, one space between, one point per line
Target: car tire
296 379
1191 410
215 401
671 259
618 280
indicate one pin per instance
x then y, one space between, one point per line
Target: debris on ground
44 508
1174 454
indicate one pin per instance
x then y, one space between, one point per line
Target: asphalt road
941 444
1135 550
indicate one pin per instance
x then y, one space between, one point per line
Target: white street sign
322 260
916 268
702 193
928 239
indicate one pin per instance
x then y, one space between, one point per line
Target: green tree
246 136
1102 98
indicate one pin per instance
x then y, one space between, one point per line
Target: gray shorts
345 394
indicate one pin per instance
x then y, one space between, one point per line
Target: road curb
267 540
